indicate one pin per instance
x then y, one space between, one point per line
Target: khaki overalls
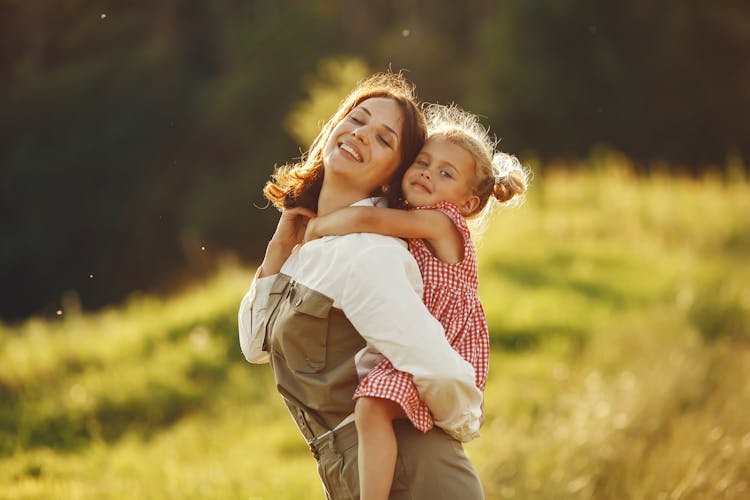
312 347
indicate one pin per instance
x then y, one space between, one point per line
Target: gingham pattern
450 293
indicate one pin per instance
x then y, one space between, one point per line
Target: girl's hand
289 233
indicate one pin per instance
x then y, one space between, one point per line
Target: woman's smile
363 150
351 150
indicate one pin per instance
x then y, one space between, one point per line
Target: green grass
619 309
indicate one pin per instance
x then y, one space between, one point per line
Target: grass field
619 309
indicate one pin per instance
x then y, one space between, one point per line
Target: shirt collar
375 201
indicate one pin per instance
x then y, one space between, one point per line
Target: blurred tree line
135 137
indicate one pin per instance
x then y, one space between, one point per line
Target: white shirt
375 281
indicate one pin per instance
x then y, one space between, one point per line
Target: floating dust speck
203 249
405 33
685 298
620 421
602 409
103 16
723 484
200 337
508 492
578 484
715 434
560 371
59 312
78 394
91 276
627 381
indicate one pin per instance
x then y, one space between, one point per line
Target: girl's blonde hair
499 176
298 184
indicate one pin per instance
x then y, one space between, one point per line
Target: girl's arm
431 225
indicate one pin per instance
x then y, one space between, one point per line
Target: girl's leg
377 446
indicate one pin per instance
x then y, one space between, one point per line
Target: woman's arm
252 313
251 318
289 233
426 224
382 301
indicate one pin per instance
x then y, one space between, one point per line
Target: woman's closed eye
384 141
356 120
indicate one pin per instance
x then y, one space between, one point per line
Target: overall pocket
301 329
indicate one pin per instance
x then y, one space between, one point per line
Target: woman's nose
360 134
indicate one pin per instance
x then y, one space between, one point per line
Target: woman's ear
469 206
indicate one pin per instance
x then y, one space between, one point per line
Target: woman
325 313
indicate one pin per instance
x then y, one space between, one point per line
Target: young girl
453 177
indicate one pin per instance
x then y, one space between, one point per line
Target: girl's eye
356 120
383 141
445 173
421 163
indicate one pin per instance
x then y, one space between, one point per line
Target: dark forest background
135 136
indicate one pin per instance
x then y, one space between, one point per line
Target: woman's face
364 149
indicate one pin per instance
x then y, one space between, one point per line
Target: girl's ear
469 205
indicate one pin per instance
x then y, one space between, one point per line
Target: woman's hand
289 233
291 227
312 231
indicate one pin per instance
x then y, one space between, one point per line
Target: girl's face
364 149
442 171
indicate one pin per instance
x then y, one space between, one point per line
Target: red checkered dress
450 293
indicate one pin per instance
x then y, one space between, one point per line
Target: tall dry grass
619 309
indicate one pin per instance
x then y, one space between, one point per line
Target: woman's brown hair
298 184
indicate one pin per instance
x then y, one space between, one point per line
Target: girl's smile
442 171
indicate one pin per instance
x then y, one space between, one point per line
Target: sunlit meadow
619 308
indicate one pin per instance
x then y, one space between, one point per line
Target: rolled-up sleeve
381 300
252 317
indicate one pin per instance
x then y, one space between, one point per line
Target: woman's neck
333 197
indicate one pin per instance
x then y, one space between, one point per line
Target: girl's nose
425 173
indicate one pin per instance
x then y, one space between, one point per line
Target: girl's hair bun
510 177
